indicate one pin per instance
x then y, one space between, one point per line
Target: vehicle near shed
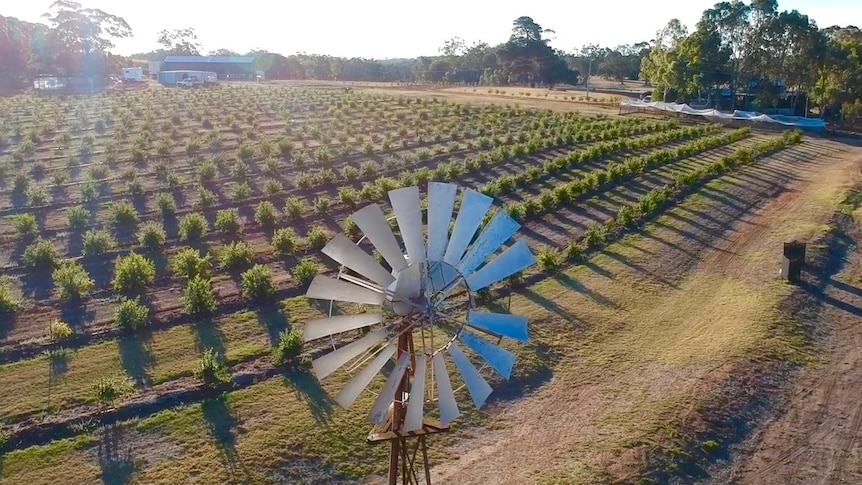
132 74
173 78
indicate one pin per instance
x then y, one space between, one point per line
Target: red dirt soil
539 436
817 438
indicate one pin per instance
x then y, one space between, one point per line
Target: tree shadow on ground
171 225
37 285
664 242
723 198
717 230
308 389
706 216
77 315
136 358
842 305
549 305
117 466
179 196
845 287
222 423
818 283
598 270
531 233
100 268
160 261
59 193
139 202
273 320
74 242
693 236
640 269
576 285
208 336
125 233
58 365
522 384
18 199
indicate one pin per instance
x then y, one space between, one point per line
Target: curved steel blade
494 234
344 251
441 201
416 402
473 208
408 283
500 359
408 214
324 327
326 288
476 384
329 363
445 396
372 222
387 395
360 381
502 324
514 259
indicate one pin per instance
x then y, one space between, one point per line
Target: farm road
706 274
818 437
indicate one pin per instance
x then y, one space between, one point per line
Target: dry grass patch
708 320
66 377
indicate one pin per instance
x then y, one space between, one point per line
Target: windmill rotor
420 310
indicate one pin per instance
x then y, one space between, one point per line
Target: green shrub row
565 193
500 151
377 189
509 183
550 260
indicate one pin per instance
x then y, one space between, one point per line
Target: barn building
226 67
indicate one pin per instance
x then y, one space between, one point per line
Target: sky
394 28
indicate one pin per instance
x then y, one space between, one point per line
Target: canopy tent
628 106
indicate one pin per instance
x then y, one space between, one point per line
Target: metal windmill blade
423 306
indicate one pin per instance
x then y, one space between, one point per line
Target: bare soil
551 432
814 435
481 96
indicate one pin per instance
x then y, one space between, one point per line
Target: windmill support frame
402 459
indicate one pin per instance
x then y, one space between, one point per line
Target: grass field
280 167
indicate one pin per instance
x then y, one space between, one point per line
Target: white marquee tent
628 106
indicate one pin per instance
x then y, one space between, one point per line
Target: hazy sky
395 28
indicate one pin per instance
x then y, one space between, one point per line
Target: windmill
422 313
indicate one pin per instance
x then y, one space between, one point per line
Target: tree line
760 56
74 41
740 55
524 59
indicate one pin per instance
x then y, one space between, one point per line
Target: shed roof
212 59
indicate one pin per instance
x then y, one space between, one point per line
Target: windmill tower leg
425 464
403 460
398 450
394 461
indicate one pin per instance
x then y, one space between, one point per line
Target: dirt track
817 438
557 432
